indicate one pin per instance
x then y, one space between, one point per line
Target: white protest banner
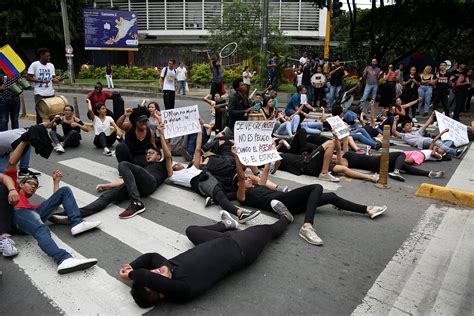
457 131
253 140
181 121
338 125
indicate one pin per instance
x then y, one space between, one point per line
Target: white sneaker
7 247
328 177
73 264
309 234
414 120
107 152
59 149
374 211
83 227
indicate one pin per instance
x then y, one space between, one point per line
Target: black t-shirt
411 87
67 127
223 169
135 145
364 162
454 76
442 86
259 197
158 171
336 78
306 79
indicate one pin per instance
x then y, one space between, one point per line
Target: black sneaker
28 173
209 201
460 152
136 207
247 215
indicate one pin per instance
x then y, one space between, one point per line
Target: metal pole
383 179
264 41
67 39
22 106
76 107
327 38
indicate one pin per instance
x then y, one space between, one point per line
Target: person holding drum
42 74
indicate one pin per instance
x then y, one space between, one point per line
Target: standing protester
389 89
247 76
441 92
411 82
108 76
238 104
463 83
318 81
371 75
9 102
182 77
336 76
304 59
306 80
216 83
98 96
168 84
72 127
400 72
272 70
42 74
426 90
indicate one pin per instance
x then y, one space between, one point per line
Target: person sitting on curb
303 199
220 249
416 138
30 218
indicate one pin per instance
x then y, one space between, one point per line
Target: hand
45 81
13 197
233 150
57 175
334 134
396 118
128 111
201 122
161 128
74 124
124 271
445 130
248 110
3 87
101 187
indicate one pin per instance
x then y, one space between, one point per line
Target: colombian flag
10 62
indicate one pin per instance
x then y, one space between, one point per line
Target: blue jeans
182 85
362 136
333 94
443 144
24 161
290 127
9 109
31 221
370 90
312 128
424 92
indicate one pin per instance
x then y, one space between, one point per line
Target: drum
49 107
25 84
256 117
15 89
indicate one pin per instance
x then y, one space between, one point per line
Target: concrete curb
437 192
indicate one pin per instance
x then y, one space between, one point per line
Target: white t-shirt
168 81
43 72
181 73
246 77
303 60
102 126
183 177
318 79
299 79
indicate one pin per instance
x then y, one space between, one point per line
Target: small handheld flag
10 62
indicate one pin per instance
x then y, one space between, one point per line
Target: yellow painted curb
458 197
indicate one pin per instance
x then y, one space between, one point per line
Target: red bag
222 88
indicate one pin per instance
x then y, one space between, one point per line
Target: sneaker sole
283 211
9 255
378 213
83 266
136 213
398 178
241 221
310 241
228 217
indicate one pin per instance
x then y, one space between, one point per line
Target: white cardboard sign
338 125
253 140
181 121
457 131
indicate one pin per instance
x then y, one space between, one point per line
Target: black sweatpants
117 194
101 141
460 97
443 100
73 139
396 160
213 188
6 211
138 181
251 240
123 153
168 99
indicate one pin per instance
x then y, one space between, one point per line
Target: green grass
116 81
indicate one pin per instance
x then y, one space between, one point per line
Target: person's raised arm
428 121
241 176
121 120
166 150
197 150
90 111
394 127
264 175
438 137
57 176
409 104
337 147
15 156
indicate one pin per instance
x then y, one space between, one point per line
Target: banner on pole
181 121
457 131
338 125
253 140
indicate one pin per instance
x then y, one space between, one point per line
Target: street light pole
264 41
327 38
67 41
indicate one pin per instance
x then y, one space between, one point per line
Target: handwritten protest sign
253 140
181 121
457 131
338 125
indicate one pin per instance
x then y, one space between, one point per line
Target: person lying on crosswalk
220 250
305 199
135 182
8 198
30 218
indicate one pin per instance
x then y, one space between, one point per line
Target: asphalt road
290 277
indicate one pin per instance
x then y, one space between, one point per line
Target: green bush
201 74
120 72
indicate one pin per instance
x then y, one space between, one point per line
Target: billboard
110 30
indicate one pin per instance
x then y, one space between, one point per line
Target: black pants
303 199
215 88
343 204
318 96
118 194
220 120
396 160
123 153
138 181
73 139
251 240
168 99
461 97
101 141
388 94
6 211
443 100
211 187
300 143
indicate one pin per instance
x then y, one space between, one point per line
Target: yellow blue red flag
10 62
